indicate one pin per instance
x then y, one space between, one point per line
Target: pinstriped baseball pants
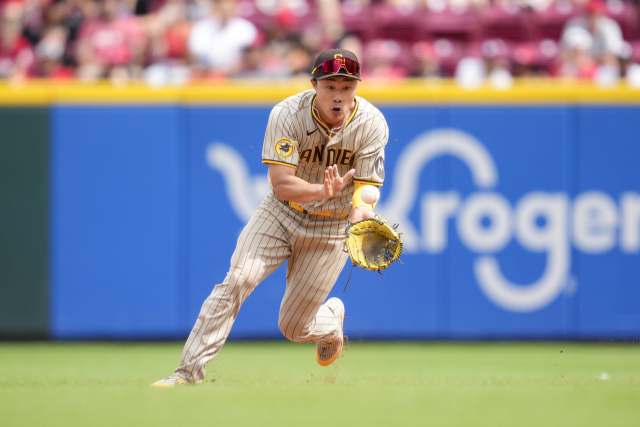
276 233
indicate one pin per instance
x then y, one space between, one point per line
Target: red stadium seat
293 15
389 58
550 21
398 23
248 10
509 22
455 23
304 15
358 20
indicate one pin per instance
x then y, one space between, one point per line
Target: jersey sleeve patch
284 148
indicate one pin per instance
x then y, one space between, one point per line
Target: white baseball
370 194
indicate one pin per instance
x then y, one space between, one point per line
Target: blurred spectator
526 58
630 70
382 59
252 63
175 41
17 58
352 43
606 34
576 59
50 54
217 42
71 14
496 57
470 72
535 59
428 62
282 59
331 19
33 19
493 67
632 75
300 61
111 45
168 30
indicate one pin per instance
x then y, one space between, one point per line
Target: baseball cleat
174 380
328 351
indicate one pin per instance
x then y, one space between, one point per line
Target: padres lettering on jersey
298 138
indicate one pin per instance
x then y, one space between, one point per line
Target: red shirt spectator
112 42
17 57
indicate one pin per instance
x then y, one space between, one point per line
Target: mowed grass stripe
279 383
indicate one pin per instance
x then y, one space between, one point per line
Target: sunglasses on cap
332 66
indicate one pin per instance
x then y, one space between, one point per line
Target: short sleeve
196 43
280 142
369 159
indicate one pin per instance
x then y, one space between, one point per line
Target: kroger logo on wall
485 221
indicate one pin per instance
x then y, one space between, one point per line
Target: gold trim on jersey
352 114
377 184
284 147
318 119
267 161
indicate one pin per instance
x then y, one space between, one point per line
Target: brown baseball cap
328 55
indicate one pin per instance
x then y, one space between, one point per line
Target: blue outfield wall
118 184
520 222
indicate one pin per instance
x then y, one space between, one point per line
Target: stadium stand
131 39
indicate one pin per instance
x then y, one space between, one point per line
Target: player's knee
287 332
293 332
236 278
239 281
233 291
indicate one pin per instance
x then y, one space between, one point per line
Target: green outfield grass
280 384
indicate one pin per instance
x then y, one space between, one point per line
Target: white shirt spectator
606 36
219 47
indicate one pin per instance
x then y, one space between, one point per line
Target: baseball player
322 146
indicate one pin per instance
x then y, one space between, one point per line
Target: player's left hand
373 244
360 213
333 182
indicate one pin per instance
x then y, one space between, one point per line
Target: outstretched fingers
333 182
347 176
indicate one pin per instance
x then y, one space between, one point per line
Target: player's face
335 100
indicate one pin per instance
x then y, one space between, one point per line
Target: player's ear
314 83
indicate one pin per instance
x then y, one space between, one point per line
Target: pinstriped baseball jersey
297 137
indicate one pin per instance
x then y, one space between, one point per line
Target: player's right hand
333 182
